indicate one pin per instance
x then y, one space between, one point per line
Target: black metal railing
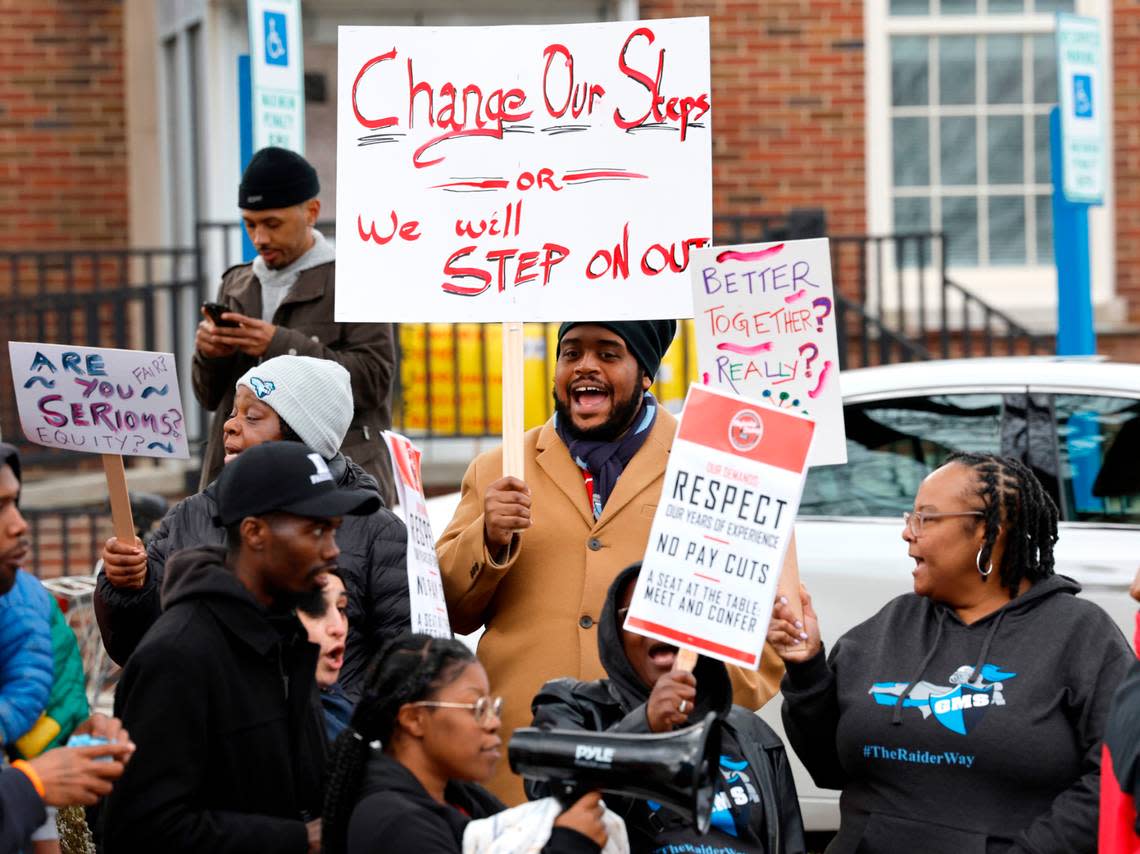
66 540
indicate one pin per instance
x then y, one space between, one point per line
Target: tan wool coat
541 606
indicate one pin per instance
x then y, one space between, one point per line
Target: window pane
1003 70
1044 229
1044 70
958 7
957 70
1099 440
1006 151
1007 229
892 445
960 222
1005 7
959 144
912 215
911 148
910 7
1042 167
910 71
1054 6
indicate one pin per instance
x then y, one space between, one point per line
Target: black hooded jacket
221 699
373 555
948 737
617 704
396 815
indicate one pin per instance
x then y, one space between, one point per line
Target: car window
893 444
1099 445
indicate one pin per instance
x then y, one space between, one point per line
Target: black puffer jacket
617 704
373 558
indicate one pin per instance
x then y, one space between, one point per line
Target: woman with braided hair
966 716
403 778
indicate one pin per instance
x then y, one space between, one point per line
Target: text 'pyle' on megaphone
673 768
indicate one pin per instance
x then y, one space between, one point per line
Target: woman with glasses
404 776
968 715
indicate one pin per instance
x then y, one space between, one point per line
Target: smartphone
214 312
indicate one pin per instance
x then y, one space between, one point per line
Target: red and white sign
732 491
425 587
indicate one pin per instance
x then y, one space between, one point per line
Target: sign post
1077 129
98 400
277 74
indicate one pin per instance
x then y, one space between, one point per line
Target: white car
1076 422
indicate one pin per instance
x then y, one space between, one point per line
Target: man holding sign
532 560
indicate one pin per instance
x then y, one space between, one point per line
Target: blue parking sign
276 39
1082 96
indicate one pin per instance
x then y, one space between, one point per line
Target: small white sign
99 400
521 173
277 73
765 321
727 509
1081 85
425 586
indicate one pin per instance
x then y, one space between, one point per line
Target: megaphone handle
686 659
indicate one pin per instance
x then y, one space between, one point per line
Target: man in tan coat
532 559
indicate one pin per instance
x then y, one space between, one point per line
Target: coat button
594 543
292 351
316 339
586 621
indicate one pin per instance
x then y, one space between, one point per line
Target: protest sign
103 401
425 587
521 173
765 321
732 490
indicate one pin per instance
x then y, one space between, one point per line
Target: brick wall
1126 93
63 157
788 105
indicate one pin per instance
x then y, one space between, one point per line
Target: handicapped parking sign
276 39
1082 96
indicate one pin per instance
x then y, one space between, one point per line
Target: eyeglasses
915 520
483 708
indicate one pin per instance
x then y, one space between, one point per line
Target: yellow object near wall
451 376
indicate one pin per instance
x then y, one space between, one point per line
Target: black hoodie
221 699
396 815
756 807
947 737
373 551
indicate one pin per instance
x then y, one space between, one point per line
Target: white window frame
1028 292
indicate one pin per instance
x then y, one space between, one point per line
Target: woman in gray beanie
287 397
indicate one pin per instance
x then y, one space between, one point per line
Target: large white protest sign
732 490
765 320
425 586
522 172
99 400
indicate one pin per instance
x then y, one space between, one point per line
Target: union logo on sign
745 430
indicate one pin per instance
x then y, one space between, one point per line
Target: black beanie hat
10 457
277 178
646 339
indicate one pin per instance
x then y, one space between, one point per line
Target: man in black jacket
221 697
310 399
755 806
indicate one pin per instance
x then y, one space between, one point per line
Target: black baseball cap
286 477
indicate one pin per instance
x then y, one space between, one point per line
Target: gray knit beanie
312 396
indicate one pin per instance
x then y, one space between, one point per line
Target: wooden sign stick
122 522
513 399
789 586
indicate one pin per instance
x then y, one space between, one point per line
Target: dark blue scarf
605 461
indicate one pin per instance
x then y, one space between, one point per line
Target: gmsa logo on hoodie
958 706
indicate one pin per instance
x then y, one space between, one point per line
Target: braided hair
1015 500
408 668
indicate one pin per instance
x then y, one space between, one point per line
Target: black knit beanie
277 178
10 457
646 339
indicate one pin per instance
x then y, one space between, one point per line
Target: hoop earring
978 563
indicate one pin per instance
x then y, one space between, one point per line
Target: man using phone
282 304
